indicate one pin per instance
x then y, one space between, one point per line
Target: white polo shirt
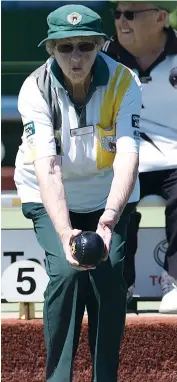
111 124
159 118
158 122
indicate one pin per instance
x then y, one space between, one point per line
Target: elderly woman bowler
76 170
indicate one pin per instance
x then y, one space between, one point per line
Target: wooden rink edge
148 320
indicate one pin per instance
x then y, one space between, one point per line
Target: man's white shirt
158 121
159 118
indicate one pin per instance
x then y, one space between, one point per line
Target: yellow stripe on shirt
108 113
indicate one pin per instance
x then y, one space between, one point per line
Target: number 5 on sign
24 281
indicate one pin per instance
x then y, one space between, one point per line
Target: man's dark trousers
162 183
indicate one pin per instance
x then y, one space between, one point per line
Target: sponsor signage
21 245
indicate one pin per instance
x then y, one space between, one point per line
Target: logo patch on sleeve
29 129
136 135
135 120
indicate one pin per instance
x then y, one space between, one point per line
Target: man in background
146 43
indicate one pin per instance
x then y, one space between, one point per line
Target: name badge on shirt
82 131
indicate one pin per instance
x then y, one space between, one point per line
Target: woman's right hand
67 238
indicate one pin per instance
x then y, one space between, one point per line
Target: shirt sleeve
127 121
38 135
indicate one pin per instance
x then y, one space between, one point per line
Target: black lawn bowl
88 249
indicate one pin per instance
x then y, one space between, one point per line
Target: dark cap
170 6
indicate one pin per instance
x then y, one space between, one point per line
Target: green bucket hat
71 21
170 6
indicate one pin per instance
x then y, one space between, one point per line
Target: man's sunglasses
130 15
83 47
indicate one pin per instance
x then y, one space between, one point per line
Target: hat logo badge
74 18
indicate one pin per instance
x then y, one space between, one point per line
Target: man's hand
105 228
67 238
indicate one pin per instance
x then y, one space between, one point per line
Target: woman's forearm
53 193
125 176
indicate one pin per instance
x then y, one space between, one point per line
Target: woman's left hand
105 228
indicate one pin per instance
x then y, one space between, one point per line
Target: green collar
100 72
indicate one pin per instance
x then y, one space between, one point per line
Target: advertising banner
20 245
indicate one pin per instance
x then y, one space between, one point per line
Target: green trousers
101 291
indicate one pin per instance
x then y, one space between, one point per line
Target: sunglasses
131 15
83 47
